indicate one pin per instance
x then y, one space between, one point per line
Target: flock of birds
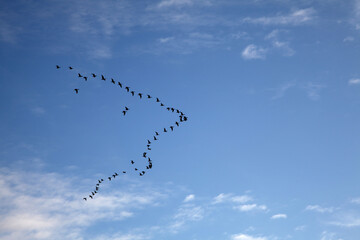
155 137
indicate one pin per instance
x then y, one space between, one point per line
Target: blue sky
270 150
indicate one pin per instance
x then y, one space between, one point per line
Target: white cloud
300 228
251 207
189 198
313 90
279 216
222 197
254 52
281 90
347 220
165 40
354 81
172 3
317 208
38 110
355 200
186 213
329 236
242 236
349 39
50 206
294 18
280 45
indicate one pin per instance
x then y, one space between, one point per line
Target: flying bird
109 178
85 198
155 138
85 78
177 124
157 134
124 112
161 104
113 81
132 162
127 89
124 171
172 128
102 77
90 196
140 95
136 169
168 108
165 130
79 75
119 83
57 66
132 93
126 108
149 141
76 90
148 96
93 74
172 109
185 118
157 100
70 68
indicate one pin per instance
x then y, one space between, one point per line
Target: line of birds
155 137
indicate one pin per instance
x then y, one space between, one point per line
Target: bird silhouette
172 109
136 169
132 93
177 124
109 178
124 171
119 83
162 104
57 66
85 78
165 130
177 110
99 181
155 138
140 95
93 74
127 89
140 174
70 68
149 141
79 75
185 118
85 198
113 81
126 108
157 134
90 196
149 149
148 96
144 154
103 78
132 162
124 112
172 128
157 100
116 174
76 90
168 108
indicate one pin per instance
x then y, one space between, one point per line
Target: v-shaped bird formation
142 96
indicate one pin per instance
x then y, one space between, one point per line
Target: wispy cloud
189 198
313 90
32 208
355 200
317 208
38 110
251 207
297 17
172 3
354 81
278 44
282 89
241 236
349 39
186 213
279 216
222 198
346 219
254 52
